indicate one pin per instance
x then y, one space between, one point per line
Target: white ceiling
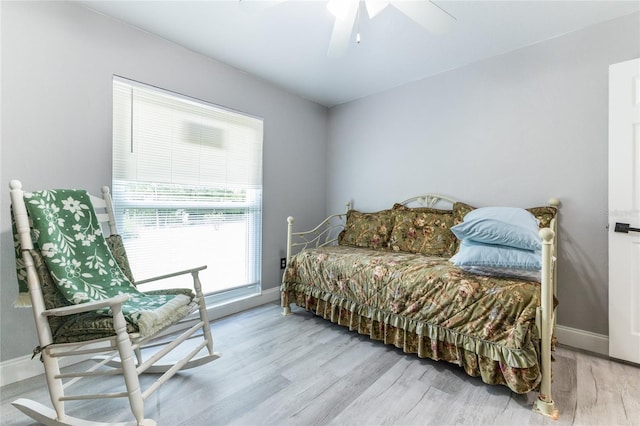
285 42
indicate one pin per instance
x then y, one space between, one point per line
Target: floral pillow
544 215
460 210
423 230
367 230
397 207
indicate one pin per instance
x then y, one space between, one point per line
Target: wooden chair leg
202 306
56 391
129 372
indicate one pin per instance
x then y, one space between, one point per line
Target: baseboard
22 368
266 296
581 339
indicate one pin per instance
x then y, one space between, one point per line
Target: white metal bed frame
326 233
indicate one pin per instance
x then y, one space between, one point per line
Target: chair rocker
86 303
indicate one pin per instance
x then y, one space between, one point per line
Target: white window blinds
187 185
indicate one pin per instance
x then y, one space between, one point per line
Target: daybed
388 275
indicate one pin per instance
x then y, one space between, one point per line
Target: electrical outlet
283 262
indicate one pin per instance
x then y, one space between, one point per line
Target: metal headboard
429 200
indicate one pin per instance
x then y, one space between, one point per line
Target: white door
624 210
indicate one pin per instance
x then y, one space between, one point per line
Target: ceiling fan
427 14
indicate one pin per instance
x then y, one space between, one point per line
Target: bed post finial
546 234
289 236
347 206
555 202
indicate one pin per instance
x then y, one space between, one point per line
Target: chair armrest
173 274
85 307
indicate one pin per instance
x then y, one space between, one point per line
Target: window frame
252 204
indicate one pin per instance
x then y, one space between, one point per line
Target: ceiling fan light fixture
427 14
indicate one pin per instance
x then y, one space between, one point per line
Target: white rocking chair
69 329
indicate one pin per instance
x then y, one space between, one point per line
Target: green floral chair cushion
82 266
72 328
90 325
367 230
116 246
423 230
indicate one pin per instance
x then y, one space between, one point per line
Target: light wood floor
302 370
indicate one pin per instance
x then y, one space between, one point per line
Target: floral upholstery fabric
459 211
369 230
424 232
85 326
544 214
81 264
72 244
424 305
72 328
95 324
120 255
116 247
397 207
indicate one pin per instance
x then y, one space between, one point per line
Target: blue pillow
505 226
489 255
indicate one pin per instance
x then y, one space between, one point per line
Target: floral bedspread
454 314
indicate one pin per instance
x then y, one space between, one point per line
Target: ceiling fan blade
430 16
342 30
375 6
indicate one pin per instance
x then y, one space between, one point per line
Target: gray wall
58 60
511 130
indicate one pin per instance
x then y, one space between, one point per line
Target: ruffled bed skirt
392 331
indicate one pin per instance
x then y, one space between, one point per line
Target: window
187 188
